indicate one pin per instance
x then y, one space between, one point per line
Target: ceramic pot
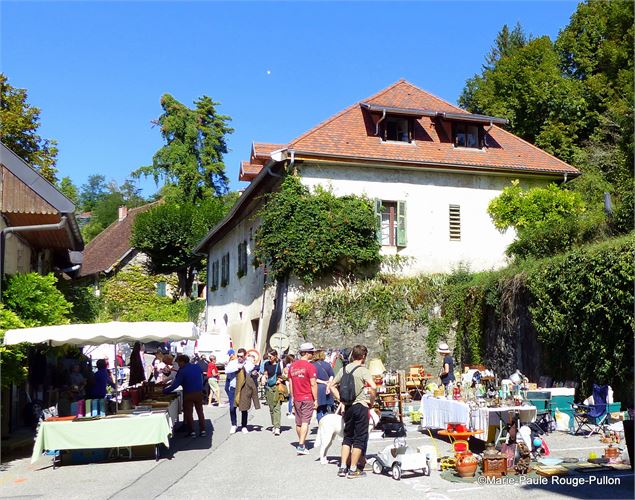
466 469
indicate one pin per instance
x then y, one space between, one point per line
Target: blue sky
98 69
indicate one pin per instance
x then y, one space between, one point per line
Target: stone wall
402 346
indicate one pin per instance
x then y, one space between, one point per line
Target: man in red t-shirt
303 381
212 380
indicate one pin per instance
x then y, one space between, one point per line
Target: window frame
409 125
397 222
480 133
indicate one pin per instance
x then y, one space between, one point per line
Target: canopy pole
116 374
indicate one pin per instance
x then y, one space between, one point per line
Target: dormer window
398 128
467 135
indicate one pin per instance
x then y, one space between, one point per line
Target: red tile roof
350 135
111 245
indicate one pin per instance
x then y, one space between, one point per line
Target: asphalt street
260 465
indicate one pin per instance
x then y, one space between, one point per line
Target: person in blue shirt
102 379
189 377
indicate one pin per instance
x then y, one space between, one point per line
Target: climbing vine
580 304
131 295
310 235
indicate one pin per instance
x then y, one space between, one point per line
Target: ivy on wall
310 235
581 305
131 295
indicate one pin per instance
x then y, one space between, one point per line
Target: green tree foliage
192 157
574 98
36 299
93 191
506 42
582 309
68 189
527 87
169 231
547 220
311 235
86 307
106 208
19 123
12 357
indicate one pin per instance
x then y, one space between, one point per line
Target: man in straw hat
447 370
303 386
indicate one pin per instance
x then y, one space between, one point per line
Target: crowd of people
309 383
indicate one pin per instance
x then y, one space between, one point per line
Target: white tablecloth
483 418
559 391
436 413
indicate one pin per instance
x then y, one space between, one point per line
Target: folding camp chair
592 417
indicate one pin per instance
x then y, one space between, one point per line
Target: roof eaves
244 198
571 171
31 178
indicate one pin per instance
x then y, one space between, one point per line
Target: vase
466 469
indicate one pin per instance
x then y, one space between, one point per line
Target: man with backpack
352 380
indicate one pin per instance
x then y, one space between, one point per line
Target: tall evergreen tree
192 158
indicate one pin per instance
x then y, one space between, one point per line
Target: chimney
123 212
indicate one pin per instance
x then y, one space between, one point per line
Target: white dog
332 425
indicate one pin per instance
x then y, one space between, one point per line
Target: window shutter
161 289
402 240
378 218
455 222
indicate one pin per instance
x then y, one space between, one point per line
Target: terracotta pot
466 469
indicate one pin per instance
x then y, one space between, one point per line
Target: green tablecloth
120 432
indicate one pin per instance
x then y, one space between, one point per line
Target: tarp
103 333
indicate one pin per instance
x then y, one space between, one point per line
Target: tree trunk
186 279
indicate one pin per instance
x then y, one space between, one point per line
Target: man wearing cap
303 382
447 370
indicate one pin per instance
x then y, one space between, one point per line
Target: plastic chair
592 417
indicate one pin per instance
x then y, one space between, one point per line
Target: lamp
376 367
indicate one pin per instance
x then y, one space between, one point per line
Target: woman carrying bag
271 377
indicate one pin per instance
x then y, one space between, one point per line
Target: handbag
271 381
283 392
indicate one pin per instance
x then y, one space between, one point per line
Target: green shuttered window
391 222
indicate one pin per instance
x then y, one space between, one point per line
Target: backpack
347 386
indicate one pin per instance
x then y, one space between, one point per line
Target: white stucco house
432 169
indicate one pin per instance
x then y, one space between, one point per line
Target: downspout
24 229
383 116
285 289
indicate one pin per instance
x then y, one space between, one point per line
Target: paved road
258 465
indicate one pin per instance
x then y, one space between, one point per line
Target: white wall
232 308
428 196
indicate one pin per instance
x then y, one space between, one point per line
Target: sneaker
232 429
276 431
245 430
203 433
342 471
301 450
355 474
192 434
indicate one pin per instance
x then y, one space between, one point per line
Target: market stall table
483 418
437 413
117 431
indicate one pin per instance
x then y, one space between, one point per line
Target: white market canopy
103 333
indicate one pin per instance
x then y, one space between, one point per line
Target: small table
453 435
